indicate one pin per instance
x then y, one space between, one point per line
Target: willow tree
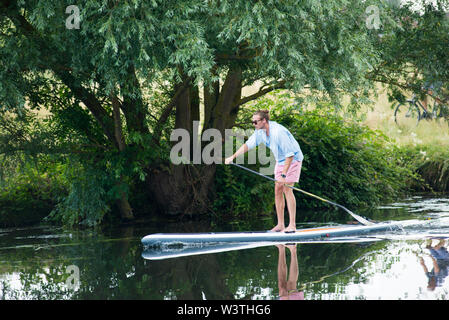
123 74
413 52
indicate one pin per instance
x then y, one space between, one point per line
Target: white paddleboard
267 236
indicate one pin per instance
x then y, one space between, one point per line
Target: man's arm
287 163
241 150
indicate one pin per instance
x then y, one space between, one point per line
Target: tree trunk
126 212
211 94
187 188
183 189
133 106
225 111
122 202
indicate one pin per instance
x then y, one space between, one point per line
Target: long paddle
357 217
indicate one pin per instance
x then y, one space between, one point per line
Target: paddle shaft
357 217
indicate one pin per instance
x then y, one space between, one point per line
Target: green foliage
31 179
431 163
308 43
30 192
128 54
37 177
345 161
86 202
240 195
113 37
412 49
134 55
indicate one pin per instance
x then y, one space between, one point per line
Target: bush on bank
431 163
29 194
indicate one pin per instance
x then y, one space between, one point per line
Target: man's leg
293 269
291 206
280 206
282 271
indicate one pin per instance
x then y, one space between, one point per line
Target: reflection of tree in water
111 267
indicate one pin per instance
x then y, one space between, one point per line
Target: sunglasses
256 121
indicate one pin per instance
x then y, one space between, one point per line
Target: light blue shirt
280 141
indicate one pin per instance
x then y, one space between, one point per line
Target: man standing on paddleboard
288 157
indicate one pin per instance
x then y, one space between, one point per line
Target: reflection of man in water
440 263
287 287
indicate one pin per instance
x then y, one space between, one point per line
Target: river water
45 262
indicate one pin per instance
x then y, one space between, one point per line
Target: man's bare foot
278 228
290 229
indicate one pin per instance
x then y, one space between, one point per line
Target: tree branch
166 112
261 92
117 123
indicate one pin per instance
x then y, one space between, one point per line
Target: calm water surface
50 263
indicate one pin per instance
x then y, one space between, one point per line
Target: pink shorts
293 172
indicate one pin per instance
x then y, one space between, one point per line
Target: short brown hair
263 114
